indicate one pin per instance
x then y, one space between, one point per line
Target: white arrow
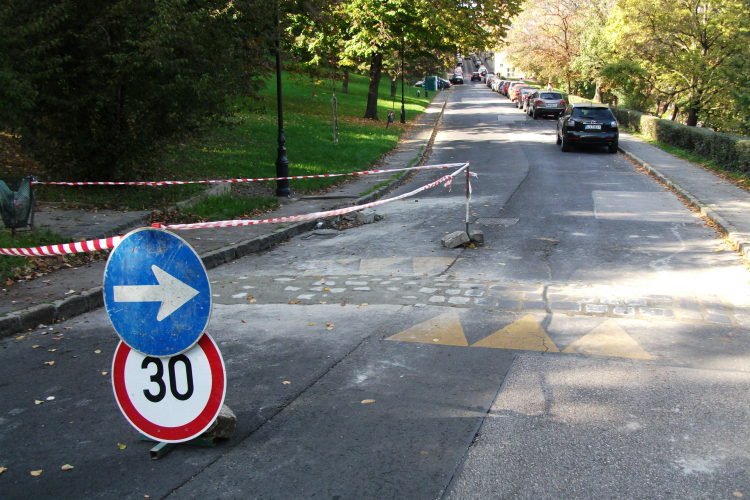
171 292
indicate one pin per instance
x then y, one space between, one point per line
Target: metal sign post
335 117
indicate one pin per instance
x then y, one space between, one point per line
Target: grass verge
247 148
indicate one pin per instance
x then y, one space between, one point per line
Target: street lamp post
282 164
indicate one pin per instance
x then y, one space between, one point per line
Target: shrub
729 151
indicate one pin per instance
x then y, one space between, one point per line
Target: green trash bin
431 83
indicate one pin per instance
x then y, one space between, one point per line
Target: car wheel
564 144
557 136
535 115
612 148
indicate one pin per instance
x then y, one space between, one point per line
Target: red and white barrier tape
109 243
220 181
64 248
314 215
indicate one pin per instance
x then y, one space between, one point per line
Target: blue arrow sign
156 292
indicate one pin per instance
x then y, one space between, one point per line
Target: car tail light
538 101
562 103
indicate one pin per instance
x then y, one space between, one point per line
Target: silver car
546 102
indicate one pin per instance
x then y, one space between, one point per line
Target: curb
60 310
739 240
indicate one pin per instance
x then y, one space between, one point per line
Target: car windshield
550 95
594 113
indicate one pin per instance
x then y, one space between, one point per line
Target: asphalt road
371 362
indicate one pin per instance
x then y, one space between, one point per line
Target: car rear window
550 95
596 113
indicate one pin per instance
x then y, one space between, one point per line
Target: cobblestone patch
590 300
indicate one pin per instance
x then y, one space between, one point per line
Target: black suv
584 123
475 77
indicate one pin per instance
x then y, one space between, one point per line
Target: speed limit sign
170 399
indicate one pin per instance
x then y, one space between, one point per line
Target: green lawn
248 148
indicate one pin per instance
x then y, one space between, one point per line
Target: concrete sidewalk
70 292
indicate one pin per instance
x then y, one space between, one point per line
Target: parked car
513 90
457 79
583 123
419 83
544 102
488 78
523 92
443 83
504 89
475 77
496 84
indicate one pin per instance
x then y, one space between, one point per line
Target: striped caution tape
64 248
220 181
110 243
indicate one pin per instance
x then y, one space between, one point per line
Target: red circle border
184 432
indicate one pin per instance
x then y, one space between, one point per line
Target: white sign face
170 399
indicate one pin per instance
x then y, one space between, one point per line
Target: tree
690 45
380 27
96 87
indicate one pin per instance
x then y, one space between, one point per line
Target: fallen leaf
50 363
104 373
365 401
342 304
97 351
51 350
329 324
249 297
294 302
363 304
311 324
37 402
322 302
66 467
243 321
50 398
253 301
69 292
67 328
736 494
121 446
327 289
3 469
21 337
35 346
286 382
329 328
36 472
423 452
719 249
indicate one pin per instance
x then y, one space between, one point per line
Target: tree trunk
674 112
692 119
376 68
393 87
345 82
598 94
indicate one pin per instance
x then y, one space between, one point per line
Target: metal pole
403 110
282 164
467 199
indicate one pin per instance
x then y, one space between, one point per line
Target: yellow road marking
608 339
525 334
442 330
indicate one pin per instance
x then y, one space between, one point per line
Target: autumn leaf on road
3 469
294 302
286 382
36 472
66 467
363 304
122 446
366 401
50 363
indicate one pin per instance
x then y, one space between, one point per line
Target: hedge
729 151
